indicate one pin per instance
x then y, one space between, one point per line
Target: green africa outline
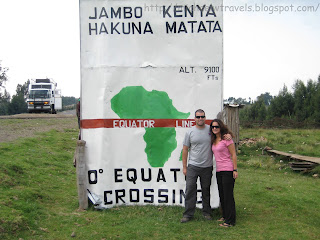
134 102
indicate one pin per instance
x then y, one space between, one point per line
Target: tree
255 111
244 113
303 104
4 103
4 95
282 105
23 89
317 101
258 109
66 101
18 103
310 101
3 74
300 95
266 97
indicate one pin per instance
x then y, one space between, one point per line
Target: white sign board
146 66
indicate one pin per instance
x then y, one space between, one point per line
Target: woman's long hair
223 130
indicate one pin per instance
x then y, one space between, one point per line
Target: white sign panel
146 66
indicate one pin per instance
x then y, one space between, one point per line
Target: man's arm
227 137
185 159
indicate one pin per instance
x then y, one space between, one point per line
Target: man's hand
185 171
227 137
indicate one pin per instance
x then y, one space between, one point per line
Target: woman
226 167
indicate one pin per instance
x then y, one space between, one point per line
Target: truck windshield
39 94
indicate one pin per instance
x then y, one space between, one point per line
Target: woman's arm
232 151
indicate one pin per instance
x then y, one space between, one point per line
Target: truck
43 96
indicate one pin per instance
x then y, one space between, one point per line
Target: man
198 142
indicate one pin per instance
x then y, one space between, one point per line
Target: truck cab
43 96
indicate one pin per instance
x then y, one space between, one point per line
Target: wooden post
230 116
81 175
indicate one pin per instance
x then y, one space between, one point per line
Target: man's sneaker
207 217
185 219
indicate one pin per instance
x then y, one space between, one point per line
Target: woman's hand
235 174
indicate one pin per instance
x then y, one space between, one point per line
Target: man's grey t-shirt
199 143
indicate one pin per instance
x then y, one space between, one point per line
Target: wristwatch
235 170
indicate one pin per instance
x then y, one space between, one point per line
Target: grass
38 197
299 141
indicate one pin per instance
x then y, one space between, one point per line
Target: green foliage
69 103
282 105
18 102
18 105
300 95
303 105
4 103
255 111
266 98
66 101
23 89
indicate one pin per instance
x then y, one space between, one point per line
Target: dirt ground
27 125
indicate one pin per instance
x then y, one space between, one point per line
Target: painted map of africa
135 102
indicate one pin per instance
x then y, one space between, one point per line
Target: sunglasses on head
215 126
200 116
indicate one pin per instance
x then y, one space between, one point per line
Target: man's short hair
200 111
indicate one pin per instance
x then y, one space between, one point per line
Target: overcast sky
263 49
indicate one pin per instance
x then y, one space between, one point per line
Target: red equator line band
137 123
